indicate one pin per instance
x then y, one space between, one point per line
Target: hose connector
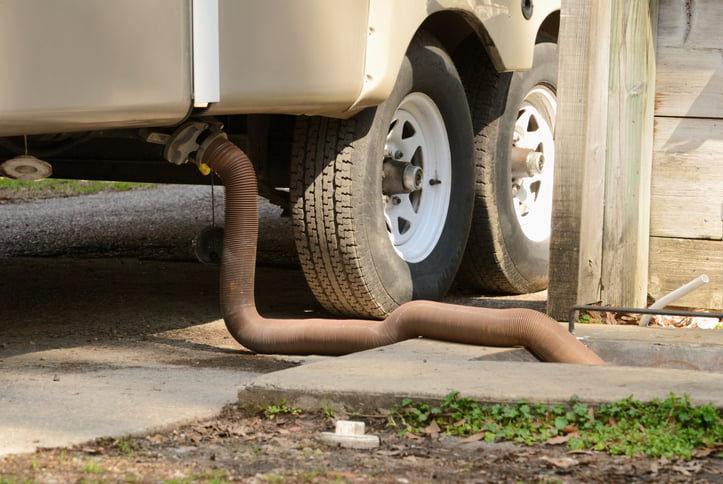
189 142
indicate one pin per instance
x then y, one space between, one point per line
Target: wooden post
581 146
626 228
598 249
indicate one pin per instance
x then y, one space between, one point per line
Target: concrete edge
427 370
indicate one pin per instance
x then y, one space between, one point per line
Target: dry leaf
560 439
682 470
432 429
561 462
473 438
351 476
704 452
93 451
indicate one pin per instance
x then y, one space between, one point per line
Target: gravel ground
158 223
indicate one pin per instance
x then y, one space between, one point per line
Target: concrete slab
72 394
62 400
108 347
78 407
685 349
428 370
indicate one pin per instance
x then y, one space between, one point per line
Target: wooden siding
687 175
674 262
687 178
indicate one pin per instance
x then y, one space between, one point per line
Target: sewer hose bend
492 327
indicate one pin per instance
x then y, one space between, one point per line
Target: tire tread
324 228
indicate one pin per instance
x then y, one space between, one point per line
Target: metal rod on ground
664 312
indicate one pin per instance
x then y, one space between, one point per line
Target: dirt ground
132 300
246 446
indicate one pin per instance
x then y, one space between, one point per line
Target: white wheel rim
415 220
532 196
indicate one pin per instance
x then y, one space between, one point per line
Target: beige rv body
96 64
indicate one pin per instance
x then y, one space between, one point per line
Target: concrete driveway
108 325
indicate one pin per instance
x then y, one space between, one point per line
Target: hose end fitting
189 142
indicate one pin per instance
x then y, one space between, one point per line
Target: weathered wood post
604 139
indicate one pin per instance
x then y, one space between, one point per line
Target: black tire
501 257
338 207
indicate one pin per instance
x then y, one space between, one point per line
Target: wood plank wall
687 174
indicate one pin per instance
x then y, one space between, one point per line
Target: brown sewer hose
482 326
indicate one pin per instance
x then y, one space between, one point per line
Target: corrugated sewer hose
482 326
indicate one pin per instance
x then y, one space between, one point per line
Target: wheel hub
401 177
526 162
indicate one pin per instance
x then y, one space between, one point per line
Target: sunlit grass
51 187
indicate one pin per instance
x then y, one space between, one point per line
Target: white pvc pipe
675 295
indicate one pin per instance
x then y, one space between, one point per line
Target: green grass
125 445
587 319
272 411
57 187
216 477
669 427
93 468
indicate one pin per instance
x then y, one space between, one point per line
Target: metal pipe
496 327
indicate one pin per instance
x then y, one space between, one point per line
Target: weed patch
272 411
125 445
671 427
93 468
